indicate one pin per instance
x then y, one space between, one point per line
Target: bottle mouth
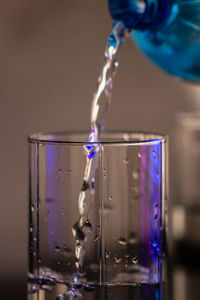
139 14
129 12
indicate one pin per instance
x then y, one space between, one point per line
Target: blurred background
51 56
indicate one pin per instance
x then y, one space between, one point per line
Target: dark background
50 57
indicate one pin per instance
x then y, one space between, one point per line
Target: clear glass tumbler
123 252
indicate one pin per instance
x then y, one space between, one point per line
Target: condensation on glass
124 248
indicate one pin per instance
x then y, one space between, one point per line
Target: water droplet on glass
132 239
122 241
57 249
134 260
45 218
156 217
98 229
49 200
89 288
68 171
59 297
118 259
104 176
46 288
32 207
58 263
63 211
110 198
96 238
107 254
39 260
139 155
154 244
66 248
31 228
126 161
60 170
135 174
35 239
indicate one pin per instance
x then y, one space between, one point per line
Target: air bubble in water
107 254
122 241
110 198
116 64
60 170
72 294
32 207
31 228
35 239
88 225
139 155
78 232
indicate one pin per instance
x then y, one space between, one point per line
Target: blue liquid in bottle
168 32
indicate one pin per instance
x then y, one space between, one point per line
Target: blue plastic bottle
167 31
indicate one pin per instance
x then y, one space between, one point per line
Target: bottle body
174 44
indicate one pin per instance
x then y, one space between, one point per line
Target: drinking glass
126 218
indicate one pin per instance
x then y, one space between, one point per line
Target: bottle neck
140 14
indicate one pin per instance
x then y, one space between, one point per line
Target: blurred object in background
185 284
186 211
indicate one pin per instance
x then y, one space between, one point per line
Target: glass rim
114 138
